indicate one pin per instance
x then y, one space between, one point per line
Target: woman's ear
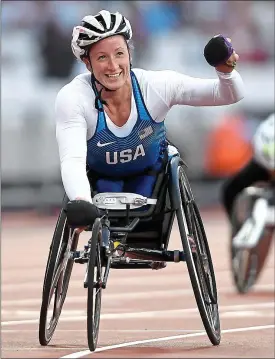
87 63
130 48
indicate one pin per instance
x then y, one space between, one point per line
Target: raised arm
227 89
71 134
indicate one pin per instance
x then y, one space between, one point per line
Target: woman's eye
120 53
101 57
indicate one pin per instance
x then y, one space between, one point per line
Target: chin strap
98 97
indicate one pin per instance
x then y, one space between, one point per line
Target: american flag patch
145 132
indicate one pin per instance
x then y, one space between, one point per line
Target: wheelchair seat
154 219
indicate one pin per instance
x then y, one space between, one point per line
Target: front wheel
94 272
247 261
57 276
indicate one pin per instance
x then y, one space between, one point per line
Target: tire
243 266
56 279
203 280
244 269
94 285
247 263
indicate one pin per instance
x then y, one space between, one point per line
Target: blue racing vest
143 149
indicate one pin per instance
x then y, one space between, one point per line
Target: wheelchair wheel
247 263
244 269
198 259
57 277
94 271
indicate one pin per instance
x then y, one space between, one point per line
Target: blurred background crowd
37 61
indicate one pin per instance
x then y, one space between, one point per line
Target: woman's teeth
114 76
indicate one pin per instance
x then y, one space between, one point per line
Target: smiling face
110 61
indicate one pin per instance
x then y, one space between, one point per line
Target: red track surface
138 305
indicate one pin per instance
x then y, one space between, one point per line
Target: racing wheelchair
253 225
132 232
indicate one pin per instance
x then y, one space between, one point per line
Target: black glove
218 50
81 213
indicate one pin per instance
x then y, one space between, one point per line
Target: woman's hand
230 63
80 229
81 213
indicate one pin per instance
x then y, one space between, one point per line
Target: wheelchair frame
111 246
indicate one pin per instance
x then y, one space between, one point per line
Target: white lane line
175 337
172 313
36 349
135 281
30 314
248 314
186 313
108 330
191 315
123 282
109 297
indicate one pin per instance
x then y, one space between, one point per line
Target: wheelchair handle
121 200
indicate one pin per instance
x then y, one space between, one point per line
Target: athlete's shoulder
155 78
269 121
266 125
78 86
149 75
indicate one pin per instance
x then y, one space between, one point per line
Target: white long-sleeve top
76 115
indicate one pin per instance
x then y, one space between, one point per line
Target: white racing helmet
263 143
96 28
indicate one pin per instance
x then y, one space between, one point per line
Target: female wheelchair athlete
129 236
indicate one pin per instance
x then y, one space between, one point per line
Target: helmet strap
97 93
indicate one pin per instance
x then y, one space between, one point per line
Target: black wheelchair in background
132 232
